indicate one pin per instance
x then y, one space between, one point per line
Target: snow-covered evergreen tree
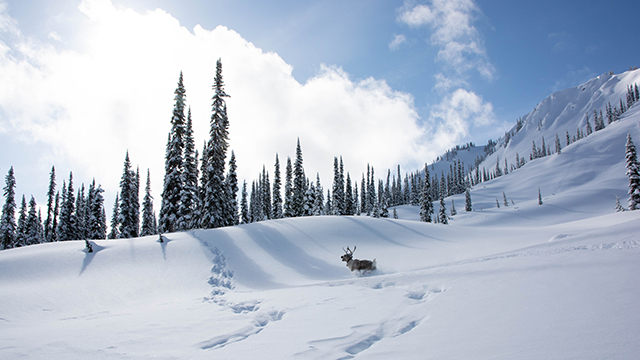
349 207
426 202
277 187
148 214
442 215
174 166
288 190
327 206
618 206
81 214
504 199
115 219
299 184
97 223
21 230
189 195
231 189
558 146
216 201
8 220
128 196
244 205
318 206
338 202
34 234
67 227
633 174
467 201
539 197
453 209
51 194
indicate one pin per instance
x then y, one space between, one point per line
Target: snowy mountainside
560 112
467 155
526 281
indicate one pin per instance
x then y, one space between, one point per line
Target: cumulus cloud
92 104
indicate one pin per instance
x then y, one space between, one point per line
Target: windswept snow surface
525 281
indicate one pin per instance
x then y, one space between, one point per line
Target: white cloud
451 22
397 41
457 113
92 105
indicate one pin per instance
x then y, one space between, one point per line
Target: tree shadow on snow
88 257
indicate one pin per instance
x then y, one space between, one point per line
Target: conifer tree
467 201
363 196
288 190
54 224
426 202
618 206
277 195
244 205
504 198
189 195
174 166
81 214
453 209
558 146
442 216
8 219
148 215
327 206
97 224
349 207
299 184
539 197
633 174
216 201
128 198
318 206
589 128
67 227
51 193
21 231
115 219
231 189
215 204
33 225
338 202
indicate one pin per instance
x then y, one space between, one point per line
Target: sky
382 82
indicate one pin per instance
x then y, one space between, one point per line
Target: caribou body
355 264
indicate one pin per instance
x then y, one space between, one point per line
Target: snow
526 281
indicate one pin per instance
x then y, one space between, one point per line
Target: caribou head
355 264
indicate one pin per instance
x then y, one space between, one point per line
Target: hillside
525 281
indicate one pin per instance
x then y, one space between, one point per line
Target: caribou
355 264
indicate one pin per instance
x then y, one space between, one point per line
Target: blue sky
440 73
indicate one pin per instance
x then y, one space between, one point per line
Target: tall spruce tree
231 189
67 227
633 174
318 206
33 228
442 217
338 202
467 201
8 219
51 193
216 202
115 219
288 190
426 202
148 215
21 230
128 198
81 214
97 224
277 195
174 165
189 195
349 206
244 206
299 184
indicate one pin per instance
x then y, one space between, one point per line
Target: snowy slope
557 281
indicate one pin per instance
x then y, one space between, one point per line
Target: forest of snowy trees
207 197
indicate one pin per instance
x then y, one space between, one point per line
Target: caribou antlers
355 264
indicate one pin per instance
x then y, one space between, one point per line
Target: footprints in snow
259 322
